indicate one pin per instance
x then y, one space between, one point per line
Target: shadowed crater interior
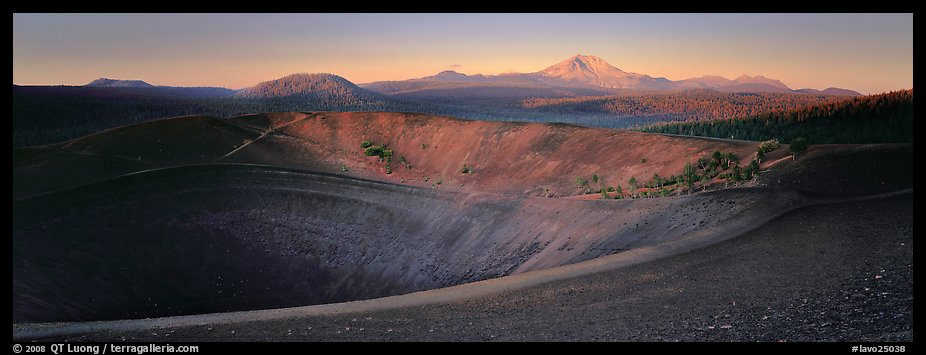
221 238
197 240
217 238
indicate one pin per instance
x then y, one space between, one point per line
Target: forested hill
320 86
883 118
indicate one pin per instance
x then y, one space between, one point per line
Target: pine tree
633 185
690 175
798 146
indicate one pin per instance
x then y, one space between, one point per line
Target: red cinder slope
513 158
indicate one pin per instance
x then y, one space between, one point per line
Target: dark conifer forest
884 118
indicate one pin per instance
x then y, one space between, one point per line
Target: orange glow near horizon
869 53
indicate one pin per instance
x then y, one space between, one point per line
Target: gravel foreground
833 272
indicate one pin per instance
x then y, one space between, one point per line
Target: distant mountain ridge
579 75
743 83
829 91
450 75
190 91
117 83
592 70
593 73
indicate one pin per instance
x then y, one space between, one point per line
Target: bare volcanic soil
217 238
196 215
512 158
834 272
525 159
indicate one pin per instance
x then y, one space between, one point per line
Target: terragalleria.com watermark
104 349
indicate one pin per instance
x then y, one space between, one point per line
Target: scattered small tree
769 145
633 185
404 162
798 146
387 155
620 193
703 163
737 174
717 156
690 176
731 159
595 178
580 181
373 151
465 169
380 151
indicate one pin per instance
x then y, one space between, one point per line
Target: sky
869 53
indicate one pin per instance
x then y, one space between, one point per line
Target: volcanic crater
198 214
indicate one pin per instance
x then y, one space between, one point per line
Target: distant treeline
884 118
688 105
